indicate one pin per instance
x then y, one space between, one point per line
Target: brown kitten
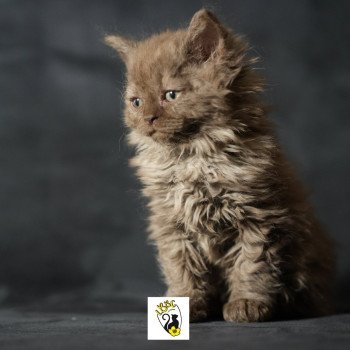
230 220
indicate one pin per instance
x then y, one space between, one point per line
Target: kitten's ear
204 35
122 45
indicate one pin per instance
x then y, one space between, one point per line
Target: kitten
232 225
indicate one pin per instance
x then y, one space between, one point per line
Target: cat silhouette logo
168 318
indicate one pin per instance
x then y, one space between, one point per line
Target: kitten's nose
150 119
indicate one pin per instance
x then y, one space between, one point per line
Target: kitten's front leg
186 272
251 277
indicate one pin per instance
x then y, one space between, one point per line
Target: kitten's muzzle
150 119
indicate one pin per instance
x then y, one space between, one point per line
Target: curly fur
231 222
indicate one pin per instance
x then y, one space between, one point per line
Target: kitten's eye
171 95
136 102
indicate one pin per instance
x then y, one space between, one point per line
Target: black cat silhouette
174 322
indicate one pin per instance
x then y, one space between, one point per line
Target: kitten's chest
175 173
194 193
198 178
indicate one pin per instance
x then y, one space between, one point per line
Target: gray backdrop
72 220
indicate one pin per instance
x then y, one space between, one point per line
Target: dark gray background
72 222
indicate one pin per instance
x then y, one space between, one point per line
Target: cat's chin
169 139
164 138
150 135
160 137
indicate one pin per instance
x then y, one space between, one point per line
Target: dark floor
103 328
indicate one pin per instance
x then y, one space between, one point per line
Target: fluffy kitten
231 223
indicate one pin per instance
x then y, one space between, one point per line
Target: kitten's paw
198 310
246 310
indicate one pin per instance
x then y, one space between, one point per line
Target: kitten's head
178 81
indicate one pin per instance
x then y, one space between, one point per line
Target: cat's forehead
156 59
